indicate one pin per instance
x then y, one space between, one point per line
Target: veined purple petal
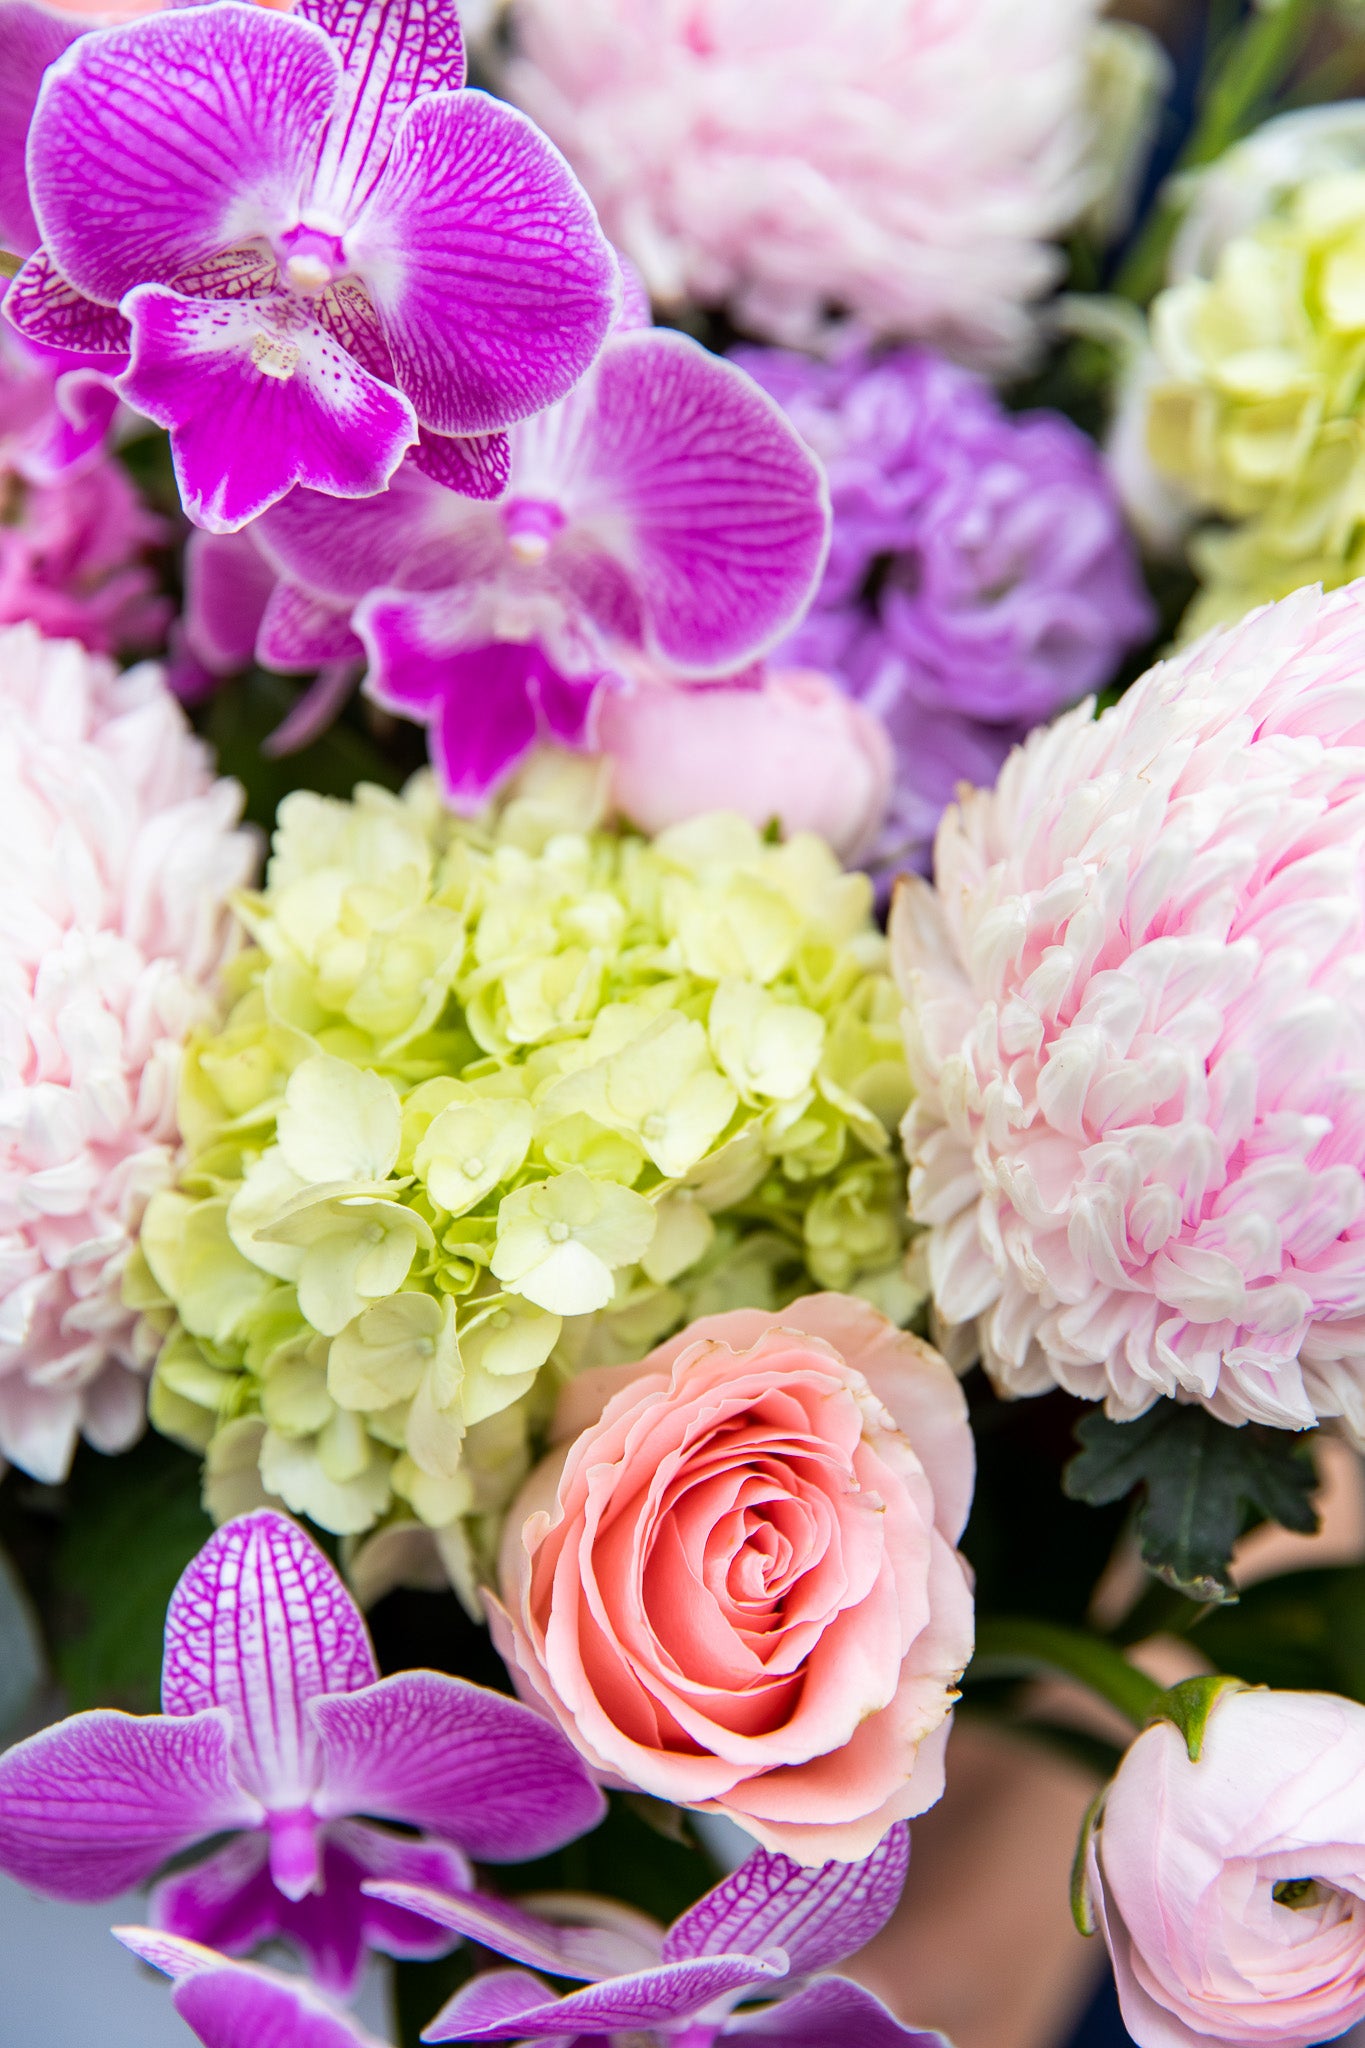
475 465
45 308
261 1624
30 40
817 1917
98 1802
831 2010
649 1998
241 2006
184 133
494 283
299 632
413 536
392 51
466 1763
227 587
722 510
479 704
229 1903
593 1953
258 398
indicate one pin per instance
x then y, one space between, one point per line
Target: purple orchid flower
765 1926
278 1728
665 509
319 248
243 2005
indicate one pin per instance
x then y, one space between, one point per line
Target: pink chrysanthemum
117 851
1137 1026
904 163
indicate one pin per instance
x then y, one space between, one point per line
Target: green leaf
133 1523
1203 1483
1304 1632
21 1650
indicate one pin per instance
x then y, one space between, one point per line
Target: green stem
1258 60
1013 1646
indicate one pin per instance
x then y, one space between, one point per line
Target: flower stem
1255 65
1014 1646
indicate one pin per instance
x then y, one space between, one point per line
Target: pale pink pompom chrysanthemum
903 164
117 852
1136 1023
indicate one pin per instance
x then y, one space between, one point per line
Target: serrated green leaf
133 1523
1203 1483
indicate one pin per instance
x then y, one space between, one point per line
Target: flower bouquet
682 1017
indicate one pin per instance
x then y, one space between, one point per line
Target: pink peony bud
1231 1889
791 746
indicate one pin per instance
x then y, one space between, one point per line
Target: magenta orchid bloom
318 247
243 2005
766 1925
665 508
278 1729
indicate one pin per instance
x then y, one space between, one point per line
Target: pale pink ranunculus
1185 1866
735 1585
790 746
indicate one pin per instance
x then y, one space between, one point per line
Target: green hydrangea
495 1102
1258 413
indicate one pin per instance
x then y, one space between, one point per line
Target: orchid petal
647 1998
722 510
412 535
468 1764
178 134
241 2006
228 583
46 309
589 1952
261 1624
30 40
816 1916
257 398
831 2010
494 283
490 2009
316 710
299 632
475 465
479 703
170 1953
230 1902
392 52
98 1802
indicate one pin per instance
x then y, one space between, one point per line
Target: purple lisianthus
666 508
980 576
315 247
756 1936
278 1730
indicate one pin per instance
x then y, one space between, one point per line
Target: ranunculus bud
1231 1887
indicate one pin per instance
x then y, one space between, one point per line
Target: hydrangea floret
317 248
757 1934
500 1093
278 1731
665 509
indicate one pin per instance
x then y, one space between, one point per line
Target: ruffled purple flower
757 1936
980 576
278 1731
313 248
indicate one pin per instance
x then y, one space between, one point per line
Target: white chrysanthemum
1136 1027
117 850
903 162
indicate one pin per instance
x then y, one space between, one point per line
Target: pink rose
791 747
1231 1891
736 1587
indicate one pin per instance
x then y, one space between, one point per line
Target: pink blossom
117 853
1136 1027
905 161
788 745
1231 1888
734 1585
